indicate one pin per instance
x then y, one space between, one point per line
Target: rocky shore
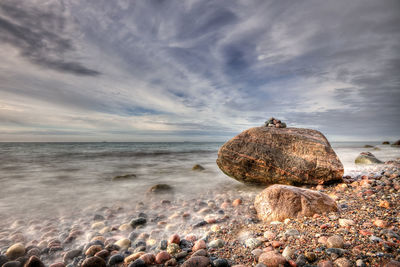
218 228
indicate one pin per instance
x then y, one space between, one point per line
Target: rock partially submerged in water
124 177
198 167
385 143
367 158
397 143
268 155
160 188
278 202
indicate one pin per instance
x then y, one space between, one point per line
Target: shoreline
222 216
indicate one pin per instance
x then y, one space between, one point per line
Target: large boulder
367 158
278 202
268 155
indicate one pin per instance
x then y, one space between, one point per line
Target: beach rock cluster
272 122
221 229
268 155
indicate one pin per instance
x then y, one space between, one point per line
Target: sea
55 178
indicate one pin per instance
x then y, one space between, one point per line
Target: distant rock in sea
269 155
397 143
160 188
198 167
367 158
385 143
278 202
124 177
368 146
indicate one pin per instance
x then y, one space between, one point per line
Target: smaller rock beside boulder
278 202
272 122
367 158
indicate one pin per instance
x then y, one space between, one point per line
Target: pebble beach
218 226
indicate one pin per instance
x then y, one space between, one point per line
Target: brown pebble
34 262
392 263
343 262
237 202
198 261
103 254
58 264
174 239
272 259
148 258
200 244
171 262
93 250
94 262
162 257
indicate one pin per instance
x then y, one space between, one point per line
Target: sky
197 70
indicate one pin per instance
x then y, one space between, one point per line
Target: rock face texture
278 202
268 155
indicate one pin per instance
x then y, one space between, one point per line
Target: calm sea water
55 177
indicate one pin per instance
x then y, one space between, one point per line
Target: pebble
343 262
199 244
173 249
15 251
94 262
123 243
139 221
292 232
288 252
269 235
162 257
252 243
148 258
335 241
360 263
272 259
174 239
310 256
197 261
133 257
257 252
98 225
381 223
34 262
103 254
346 222
237 202
93 250
115 259
218 243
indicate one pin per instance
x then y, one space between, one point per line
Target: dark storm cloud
38 36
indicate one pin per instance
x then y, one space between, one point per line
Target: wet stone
137 263
198 261
34 261
252 243
115 259
139 221
94 262
12 264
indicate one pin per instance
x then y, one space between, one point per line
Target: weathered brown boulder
278 202
267 155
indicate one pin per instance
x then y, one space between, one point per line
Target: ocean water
55 178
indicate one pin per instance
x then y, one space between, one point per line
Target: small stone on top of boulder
272 122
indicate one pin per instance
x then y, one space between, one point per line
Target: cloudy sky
173 70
